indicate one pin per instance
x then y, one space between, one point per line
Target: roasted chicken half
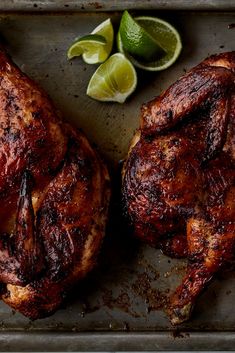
179 177
54 192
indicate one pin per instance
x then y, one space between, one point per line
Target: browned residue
121 302
155 299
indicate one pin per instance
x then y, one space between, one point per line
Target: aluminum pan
113 299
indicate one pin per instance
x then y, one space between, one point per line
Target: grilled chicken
179 177
54 192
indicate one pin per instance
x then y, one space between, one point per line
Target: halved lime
114 80
96 47
92 45
137 41
167 36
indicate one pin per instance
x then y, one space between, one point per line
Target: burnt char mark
37 114
49 215
175 245
40 142
10 101
64 249
3 289
82 163
217 126
11 135
59 254
169 115
25 241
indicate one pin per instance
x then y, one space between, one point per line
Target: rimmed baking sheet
119 306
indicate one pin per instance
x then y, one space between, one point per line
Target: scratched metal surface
120 304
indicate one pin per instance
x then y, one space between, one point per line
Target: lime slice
137 41
167 36
91 45
114 80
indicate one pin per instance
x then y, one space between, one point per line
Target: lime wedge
105 29
96 47
167 37
91 45
114 80
137 41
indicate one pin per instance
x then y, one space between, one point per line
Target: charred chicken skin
54 192
179 177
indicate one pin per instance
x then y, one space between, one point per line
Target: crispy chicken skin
54 192
179 177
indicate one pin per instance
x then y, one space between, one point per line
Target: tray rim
114 5
113 342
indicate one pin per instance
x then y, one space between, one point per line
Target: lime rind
171 53
92 37
113 81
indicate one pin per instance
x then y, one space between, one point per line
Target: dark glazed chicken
54 192
179 177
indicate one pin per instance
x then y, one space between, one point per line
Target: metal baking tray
119 306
